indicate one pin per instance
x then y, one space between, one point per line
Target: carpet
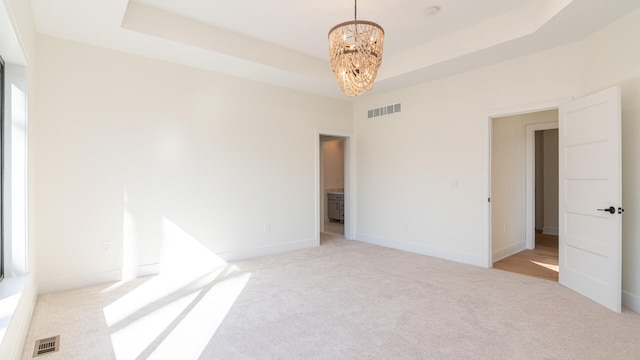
342 300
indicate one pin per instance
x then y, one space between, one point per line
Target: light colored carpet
343 300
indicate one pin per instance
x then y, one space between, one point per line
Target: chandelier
355 53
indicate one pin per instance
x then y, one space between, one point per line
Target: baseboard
446 254
550 230
507 251
267 250
631 302
75 282
83 280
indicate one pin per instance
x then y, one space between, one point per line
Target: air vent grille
45 346
385 110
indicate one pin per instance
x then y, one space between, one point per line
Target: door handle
611 210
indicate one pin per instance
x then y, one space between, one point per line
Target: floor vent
45 346
385 110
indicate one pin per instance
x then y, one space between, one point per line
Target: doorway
540 258
334 174
523 211
332 150
590 188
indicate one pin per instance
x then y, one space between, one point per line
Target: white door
590 197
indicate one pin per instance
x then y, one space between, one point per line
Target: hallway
541 262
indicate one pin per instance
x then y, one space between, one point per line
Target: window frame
2 163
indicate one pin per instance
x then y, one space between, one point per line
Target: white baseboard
446 254
83 280
507 251
75 282
268 250
550 230
631 302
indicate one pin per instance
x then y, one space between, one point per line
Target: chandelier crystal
355 53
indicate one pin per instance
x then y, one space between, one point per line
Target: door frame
489 116
530 173
349 183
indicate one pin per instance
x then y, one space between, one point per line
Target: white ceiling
284 42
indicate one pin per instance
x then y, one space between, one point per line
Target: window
1 168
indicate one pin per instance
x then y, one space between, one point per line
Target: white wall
129 147
508 181
427 167
612 56
409 163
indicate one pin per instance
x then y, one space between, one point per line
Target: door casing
530 201
349 171
489 116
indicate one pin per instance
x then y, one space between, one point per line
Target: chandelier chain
355 9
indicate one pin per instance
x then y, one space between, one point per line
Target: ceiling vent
45 346
383 111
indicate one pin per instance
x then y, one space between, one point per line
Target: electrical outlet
267 228
106 246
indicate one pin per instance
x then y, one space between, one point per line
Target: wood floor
334 228
541 262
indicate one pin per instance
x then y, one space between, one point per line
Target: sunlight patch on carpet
175 306
201 323
130 341
548 266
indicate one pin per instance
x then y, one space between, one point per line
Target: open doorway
524 194
332 176
590 236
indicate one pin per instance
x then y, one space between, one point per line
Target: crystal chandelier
355 53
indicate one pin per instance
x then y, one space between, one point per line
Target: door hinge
489 200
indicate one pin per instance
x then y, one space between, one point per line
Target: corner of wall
631 301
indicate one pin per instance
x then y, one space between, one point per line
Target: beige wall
332 169
550 178
539 181
546 181
333 152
